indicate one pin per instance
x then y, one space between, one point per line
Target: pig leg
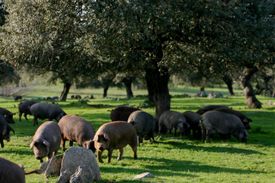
140 140
133 145
20 115
175 132
25 115
99 155
120 154
34 122
2 143
208 134
71 143
203 134
63 142
134 148
110 152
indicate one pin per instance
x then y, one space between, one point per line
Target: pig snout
101 148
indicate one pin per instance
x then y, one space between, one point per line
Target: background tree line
84 40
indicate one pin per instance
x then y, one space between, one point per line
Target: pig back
171 118
121 113
245 120
11 172
221 122
119 133
47 111
76 128
144 123
55 112
192 118
40 110
204 109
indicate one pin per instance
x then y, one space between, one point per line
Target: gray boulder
79 164
83 174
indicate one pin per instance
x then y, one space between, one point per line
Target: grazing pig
17 97
193 119
46 140
224 124
76 129
11 172
144 124
4 131
7 115
46 111
115 135
122 113
24 108
78 97
245 120
204 109
170 120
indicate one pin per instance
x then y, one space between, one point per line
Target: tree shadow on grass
172 167
216 149
136 171
84 104
17 151
169 168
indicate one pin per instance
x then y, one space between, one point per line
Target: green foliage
48 36
8 73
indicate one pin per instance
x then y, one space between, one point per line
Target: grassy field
171 159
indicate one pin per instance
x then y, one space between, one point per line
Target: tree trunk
66 89
251 100
105 91
229 83
128 85
157 79
150 89
157 85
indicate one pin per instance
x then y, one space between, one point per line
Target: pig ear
186 125
106 137
92 146
85 145
32 144
46 143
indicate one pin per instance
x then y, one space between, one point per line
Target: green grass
172 159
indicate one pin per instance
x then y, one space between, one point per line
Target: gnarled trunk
229 83
157 85
128 85
157 79
251 100
105 91
66 89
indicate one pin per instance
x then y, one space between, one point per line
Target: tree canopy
82 38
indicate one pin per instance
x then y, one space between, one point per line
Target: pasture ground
172 159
